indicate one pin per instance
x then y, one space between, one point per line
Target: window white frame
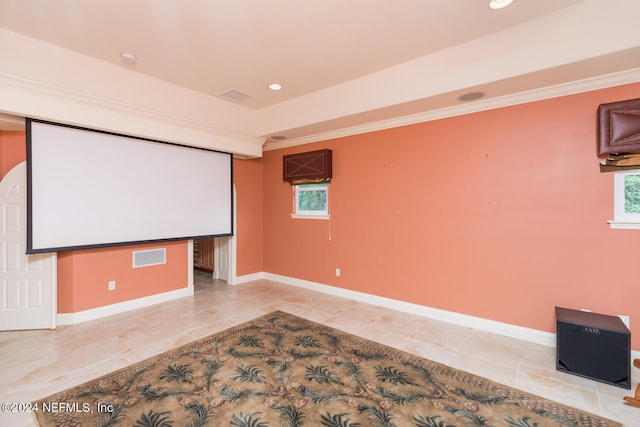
308 213
621 218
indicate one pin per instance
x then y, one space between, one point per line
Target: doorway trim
232 246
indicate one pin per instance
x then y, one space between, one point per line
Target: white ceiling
359 52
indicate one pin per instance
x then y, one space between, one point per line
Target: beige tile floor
36 364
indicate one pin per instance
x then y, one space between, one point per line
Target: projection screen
87 189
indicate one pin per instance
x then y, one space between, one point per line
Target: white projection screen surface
88 189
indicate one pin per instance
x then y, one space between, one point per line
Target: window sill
624 225
299 216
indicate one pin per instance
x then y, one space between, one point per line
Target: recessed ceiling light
471 96
275 86
499 4
128 58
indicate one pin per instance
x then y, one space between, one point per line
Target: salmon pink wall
499 214
248 227
13 150
83 276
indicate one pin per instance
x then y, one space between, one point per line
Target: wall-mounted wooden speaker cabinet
619 127
308 167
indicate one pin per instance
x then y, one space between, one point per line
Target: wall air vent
149 257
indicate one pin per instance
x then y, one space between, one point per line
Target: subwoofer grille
594 346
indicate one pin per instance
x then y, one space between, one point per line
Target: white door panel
28 298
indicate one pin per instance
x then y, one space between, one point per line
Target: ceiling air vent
235 96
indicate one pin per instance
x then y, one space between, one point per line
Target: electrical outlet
337 272
112 285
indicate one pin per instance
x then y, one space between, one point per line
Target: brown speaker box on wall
594 346
308 167
619 127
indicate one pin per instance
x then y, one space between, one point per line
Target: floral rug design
280 370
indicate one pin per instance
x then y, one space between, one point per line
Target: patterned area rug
281 370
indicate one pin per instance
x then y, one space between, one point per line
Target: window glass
312 199
632 193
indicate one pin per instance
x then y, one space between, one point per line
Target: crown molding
44 101
555 91
29 98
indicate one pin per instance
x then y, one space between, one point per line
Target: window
311 201
626 200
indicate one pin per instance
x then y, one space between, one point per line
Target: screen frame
30 249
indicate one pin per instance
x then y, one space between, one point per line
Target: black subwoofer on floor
594 346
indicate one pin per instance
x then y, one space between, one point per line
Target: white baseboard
527 334
514 331
248 278
121 307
